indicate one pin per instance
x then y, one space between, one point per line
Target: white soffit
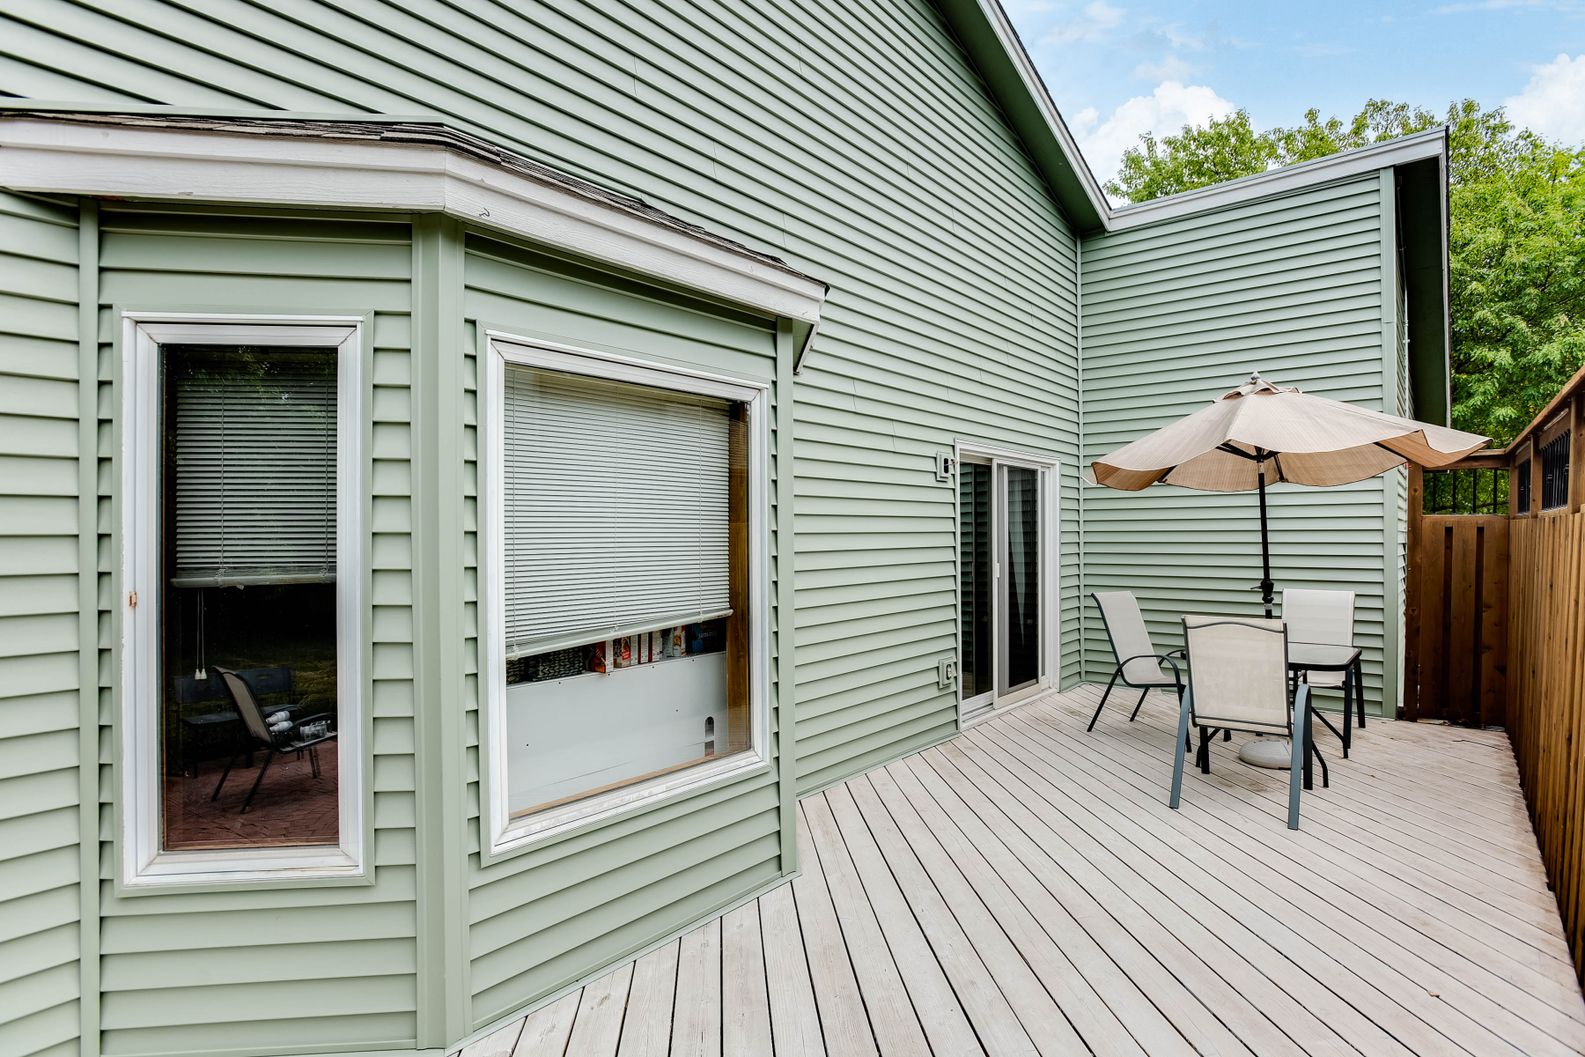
340 165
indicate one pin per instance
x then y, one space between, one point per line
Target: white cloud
1165 110
1553 103
1096 20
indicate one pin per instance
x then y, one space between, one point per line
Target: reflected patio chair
291 733
1238 680
1327 618
1138 661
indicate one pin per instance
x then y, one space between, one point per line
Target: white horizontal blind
616 508
254 464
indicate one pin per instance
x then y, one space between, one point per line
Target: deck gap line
864 1002
924 934
954 910
841 838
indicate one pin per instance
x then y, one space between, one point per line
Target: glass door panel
1020 601
977 586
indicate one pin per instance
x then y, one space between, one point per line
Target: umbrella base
1263 751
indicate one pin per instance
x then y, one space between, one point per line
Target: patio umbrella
1261 433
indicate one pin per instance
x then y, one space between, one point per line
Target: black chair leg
1227 734
269 758
230 761
1142 695
1103 698
1359 695
1205 750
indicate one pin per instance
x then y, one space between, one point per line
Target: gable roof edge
996 49
990 40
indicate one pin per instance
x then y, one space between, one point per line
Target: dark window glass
1554 472
248 605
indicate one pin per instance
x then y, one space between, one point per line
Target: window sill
241 869
524 834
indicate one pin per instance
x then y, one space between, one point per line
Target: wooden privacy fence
1546 712
1456 634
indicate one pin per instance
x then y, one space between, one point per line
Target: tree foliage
1517 244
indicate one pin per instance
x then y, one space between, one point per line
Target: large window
240 698
625 582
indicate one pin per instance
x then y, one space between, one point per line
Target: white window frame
506 834
144 864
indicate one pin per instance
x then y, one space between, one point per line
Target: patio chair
1138 661
1325 617
1238 680
276 731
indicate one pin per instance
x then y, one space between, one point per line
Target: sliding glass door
1001 567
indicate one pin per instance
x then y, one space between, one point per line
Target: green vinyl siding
547 917
39 632
875 161
1176 313
308 968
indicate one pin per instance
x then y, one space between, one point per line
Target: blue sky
1117 68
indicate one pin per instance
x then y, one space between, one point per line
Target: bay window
621 583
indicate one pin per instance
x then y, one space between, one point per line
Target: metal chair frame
1120 673
257 735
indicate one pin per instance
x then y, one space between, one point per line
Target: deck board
1023 889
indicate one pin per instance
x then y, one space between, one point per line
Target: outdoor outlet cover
944 466
946 671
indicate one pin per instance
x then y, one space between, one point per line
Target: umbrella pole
1267 588
1261 750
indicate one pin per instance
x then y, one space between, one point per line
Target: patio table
1324 657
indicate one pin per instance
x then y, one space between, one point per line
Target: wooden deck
1023 889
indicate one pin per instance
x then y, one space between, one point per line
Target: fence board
1458 572
1546 699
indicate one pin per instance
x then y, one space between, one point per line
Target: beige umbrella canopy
1282 434
1262 434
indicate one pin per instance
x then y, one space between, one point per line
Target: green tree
1222 149
1517 244
1518 288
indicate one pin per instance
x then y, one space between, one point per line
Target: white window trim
143 864
505 834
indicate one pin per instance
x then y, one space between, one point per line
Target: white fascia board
1036 87
1431 143
206 165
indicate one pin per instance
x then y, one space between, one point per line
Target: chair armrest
1165 658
